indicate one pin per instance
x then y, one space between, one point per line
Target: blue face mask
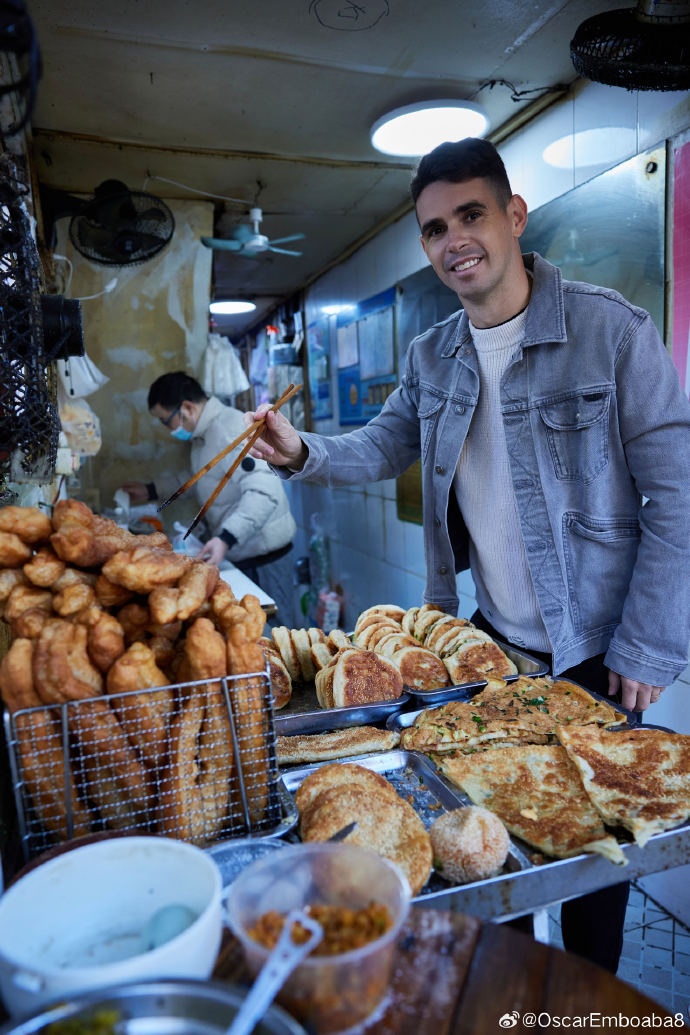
181 434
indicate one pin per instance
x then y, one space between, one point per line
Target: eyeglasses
166 423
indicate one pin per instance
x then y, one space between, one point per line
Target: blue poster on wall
366 357
350 395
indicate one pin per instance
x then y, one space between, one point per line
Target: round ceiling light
231 307
416 129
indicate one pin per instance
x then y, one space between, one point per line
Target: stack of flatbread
334 796
432 649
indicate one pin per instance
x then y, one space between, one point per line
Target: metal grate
29 421
195 761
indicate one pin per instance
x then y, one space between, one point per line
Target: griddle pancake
527 711
338 775
638 779
319 747
537 792
386 825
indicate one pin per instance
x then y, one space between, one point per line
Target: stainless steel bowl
163 1008
232 857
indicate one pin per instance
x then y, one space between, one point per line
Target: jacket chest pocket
429 410
577 434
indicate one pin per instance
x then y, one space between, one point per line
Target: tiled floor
656 952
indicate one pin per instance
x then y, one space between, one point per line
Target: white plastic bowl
75 923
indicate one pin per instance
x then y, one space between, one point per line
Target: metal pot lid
163 1007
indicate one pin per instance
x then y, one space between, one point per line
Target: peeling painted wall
154 320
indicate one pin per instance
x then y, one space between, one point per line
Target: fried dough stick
49 781
246 621
143 716
196 786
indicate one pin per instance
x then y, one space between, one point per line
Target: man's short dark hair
461 160
171 390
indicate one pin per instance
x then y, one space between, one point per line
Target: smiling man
555 445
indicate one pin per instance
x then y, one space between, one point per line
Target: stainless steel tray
525 885
418 781
525 663
300 716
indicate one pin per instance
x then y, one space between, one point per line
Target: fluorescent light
603 146
333 310
418 128
231 307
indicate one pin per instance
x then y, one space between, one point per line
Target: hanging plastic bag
223 372
80 376
80 424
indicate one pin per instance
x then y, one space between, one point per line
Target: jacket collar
545 315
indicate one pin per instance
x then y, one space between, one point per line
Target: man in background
555 445
250 522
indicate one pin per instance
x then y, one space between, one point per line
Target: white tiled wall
375 557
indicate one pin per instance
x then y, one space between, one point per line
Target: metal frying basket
195 761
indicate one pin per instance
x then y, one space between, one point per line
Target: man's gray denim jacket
595 419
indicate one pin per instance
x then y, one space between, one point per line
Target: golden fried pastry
143 716
9 578
135 619
14 552
222 600
43 768
88 540
78 596
216 761
105 640
206 658
205 652
249 706
109 594
62 669
30 622
29 523
180 602
16 676
24 596
164 651
112 777
44 568
143 568
181 813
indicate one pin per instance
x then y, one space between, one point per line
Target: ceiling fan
248 240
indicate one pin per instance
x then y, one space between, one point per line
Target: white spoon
282 961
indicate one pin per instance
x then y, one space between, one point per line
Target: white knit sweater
484 489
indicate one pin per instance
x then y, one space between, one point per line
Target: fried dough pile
99 617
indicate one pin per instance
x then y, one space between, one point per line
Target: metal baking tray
416 780
525 663
528 883
300 716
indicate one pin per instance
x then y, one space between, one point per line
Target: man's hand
280 444
634 696
213 551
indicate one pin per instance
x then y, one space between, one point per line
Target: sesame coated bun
469 844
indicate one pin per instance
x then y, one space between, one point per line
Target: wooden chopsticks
251 434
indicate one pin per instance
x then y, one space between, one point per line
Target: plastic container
325 993
84 920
